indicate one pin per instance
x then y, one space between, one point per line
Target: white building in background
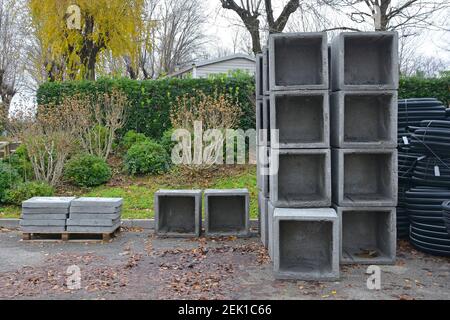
222 65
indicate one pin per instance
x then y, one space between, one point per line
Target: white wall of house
226 66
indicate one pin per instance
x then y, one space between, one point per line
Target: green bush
26 190
86 170
166 141
151 100
417 87
131 138
21 163
147 157
9 177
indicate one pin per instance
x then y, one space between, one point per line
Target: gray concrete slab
298 61
95 210
301 118
96 202
303 178
92 229
94 216
306 244
48 202
227 212
38 216
44 223
93 222
368 235
365 177
56 211
365 61
364 119
178 213
42 229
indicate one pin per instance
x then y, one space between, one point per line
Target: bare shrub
214 112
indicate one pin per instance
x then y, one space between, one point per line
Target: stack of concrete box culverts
364 140
45 214
95 215
297 225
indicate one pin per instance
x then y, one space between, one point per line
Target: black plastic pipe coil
428 231
432 171
446 214
432 137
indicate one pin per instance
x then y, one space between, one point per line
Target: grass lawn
138 192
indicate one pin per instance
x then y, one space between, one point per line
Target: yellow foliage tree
77 32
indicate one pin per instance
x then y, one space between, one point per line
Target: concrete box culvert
368 235
306 244
365 177
298 61
364 119
227 213
303 178
365 61
259 76
178 213
266 81
301 118
264 219
262 170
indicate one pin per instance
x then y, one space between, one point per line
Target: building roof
212 61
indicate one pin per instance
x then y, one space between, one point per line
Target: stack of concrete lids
45 214
95 215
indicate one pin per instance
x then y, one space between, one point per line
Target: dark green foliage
151 100
27 190
9 177
417 87
147 157
21 163
86 170
131 138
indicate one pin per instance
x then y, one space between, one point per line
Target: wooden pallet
70 237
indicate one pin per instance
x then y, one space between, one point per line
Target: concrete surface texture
306 244
365 61
303 179
178 213
365 177
266 80
48 202
298 61
368 235
364 119
259 76
263 203
302 119
227 212
136 265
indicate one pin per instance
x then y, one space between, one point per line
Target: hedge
416 87
150 100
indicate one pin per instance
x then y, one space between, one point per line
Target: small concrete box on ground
45 214
364 119
365 177
95 215
227 212
298 61
303 178
306 244
368 235
178 213
365 61
302 119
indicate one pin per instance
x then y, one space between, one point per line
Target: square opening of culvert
177 214
300 119
368 60
305 246
367 118
226 213
298 61
367 177
365 235
302 177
